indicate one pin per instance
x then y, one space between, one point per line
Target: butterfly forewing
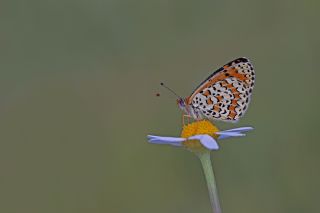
225 95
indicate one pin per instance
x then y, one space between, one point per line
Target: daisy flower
200 137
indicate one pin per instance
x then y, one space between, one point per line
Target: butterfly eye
180 102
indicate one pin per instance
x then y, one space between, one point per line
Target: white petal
237 132
234 134
224 134
240 129
175 141
206 140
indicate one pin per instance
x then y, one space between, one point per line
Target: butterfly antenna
162 84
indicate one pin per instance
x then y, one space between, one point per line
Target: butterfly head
188 109
182 104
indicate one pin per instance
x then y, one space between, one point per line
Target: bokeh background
77 90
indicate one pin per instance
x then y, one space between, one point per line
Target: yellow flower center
198 128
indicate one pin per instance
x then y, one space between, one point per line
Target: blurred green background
78 84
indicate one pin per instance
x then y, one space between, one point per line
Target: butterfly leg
183 117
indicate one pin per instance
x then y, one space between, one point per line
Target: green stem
208 173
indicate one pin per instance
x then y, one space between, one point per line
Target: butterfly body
224 95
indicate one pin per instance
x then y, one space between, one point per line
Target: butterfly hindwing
225 94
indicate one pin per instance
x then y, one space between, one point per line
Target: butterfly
224 95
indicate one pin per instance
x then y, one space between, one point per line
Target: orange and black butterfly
224 95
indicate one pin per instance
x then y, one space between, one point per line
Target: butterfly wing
225 94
